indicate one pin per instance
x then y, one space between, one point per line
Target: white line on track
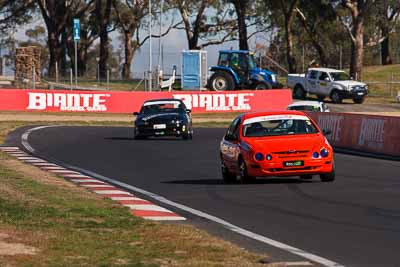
18 154
126 198
35 161
112 192
27 158
96 185
61 171
146 207
9 148
86 181
53 168
42 164
76 176
230 226
164 218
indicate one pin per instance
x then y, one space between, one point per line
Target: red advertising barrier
128 102
369 133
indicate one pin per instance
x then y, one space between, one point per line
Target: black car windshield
340 76
278 125
305 107
162 107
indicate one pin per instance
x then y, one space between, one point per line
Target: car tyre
358 100
228 177
221 81
298 92
244 178
336 97
328 177
306 177
187 136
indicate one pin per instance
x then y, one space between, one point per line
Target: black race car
163 117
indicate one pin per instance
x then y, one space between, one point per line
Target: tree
14 13
241 8
200 28
103 15
287 9
318 21
354 24
130 15
388 15
57 14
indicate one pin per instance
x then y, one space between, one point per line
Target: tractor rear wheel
221 81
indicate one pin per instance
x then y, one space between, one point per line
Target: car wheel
298 92
228 177
187 136
358 100
263 86
221 81
244 178
328 177
336 97
306 177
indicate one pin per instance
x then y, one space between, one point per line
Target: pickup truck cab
325 82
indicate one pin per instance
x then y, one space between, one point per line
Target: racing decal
368 133
275 117
333 123
372 133
128 102
217 102
67 102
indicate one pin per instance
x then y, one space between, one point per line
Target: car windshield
305 107
278 125
340 76
162 107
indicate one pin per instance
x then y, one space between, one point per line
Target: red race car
282 143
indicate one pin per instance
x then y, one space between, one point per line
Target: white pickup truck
324 82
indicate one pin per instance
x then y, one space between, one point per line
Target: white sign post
77 37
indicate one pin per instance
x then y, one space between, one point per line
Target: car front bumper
356 93
276 168
169 130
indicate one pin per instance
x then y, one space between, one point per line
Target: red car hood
309 142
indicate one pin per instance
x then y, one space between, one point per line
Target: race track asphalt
354 220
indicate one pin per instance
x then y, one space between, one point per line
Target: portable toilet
194 69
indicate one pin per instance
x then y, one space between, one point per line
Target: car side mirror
327 131
327 79
135 113
188 110
230 137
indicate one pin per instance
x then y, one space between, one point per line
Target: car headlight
268 157
315 155
259 156
324 152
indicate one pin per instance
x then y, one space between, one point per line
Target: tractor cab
237 69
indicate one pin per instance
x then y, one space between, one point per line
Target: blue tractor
237 69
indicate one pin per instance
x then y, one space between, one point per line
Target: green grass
69 226
377 77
